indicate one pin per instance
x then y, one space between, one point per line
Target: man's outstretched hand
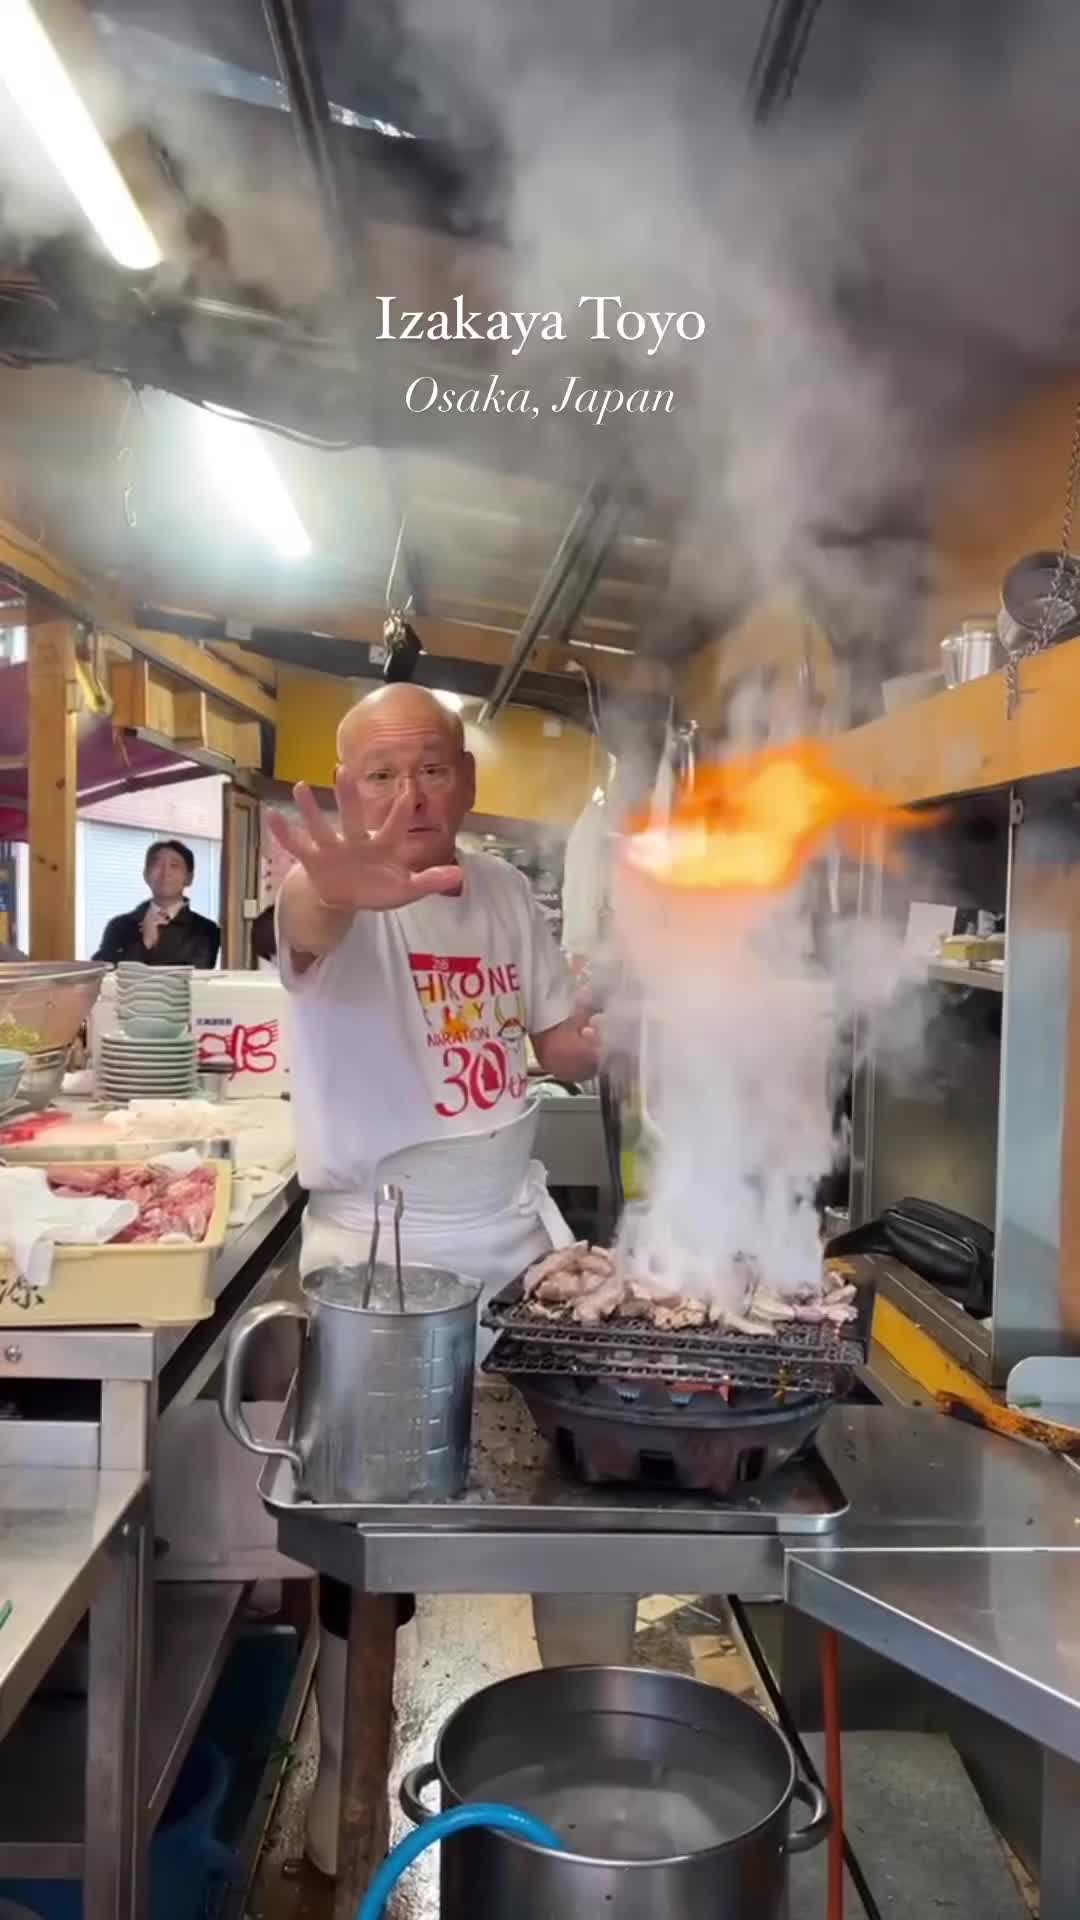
353 870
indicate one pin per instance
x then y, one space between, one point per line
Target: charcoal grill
702 1409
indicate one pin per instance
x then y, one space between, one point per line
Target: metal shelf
42 1761
193 1632
957 973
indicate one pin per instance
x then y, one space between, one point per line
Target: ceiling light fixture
40 85
246 475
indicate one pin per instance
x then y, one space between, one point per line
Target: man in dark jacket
164 931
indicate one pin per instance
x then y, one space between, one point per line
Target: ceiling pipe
779 56
581 552
579 555
564 615
296 50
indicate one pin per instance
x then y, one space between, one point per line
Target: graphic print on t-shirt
475 1019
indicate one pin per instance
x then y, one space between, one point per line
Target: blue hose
521 1826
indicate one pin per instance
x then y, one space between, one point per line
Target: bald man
415 974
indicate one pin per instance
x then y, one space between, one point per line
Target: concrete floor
458 1645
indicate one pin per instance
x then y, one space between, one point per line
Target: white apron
477 1204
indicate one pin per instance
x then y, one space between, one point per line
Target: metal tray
515 1485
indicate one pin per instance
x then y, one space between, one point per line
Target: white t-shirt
414 1027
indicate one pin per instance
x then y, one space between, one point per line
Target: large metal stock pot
673 1799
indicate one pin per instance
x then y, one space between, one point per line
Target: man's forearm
568 1051
304 923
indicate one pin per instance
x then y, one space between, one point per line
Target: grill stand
672 1450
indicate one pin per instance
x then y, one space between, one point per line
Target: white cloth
476 1204
414 1028
34 1221
586 879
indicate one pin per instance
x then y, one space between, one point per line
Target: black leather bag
947 1249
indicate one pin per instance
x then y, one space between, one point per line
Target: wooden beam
62 590
52 789
965 742
453 639
34 566
201 669
264 671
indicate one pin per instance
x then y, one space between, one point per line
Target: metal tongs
391 1197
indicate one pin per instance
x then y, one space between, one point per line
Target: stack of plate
154 1056
153 1003
131 1068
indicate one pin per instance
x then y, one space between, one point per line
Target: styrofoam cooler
238 1018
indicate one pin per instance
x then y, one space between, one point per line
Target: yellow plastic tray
122 1286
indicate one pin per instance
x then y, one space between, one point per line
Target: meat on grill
590 1285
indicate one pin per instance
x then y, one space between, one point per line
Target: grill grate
803 1362
802 1358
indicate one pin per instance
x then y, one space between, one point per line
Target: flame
752 824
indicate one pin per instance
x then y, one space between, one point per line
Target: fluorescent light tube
245 473
40 85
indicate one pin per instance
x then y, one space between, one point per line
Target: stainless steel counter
56 1531
72 1542
952 1552
998 1626
907 1480
79 1537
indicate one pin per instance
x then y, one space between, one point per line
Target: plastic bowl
145 1026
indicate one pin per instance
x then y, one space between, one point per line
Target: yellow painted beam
920 1357
53 789
36 567
260 669
200 668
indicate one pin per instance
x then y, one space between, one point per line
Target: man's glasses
435 777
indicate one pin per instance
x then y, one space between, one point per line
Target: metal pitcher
384 1388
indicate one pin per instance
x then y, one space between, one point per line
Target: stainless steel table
955 1553
82 1785
73 1540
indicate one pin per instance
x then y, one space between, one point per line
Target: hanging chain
1050 618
